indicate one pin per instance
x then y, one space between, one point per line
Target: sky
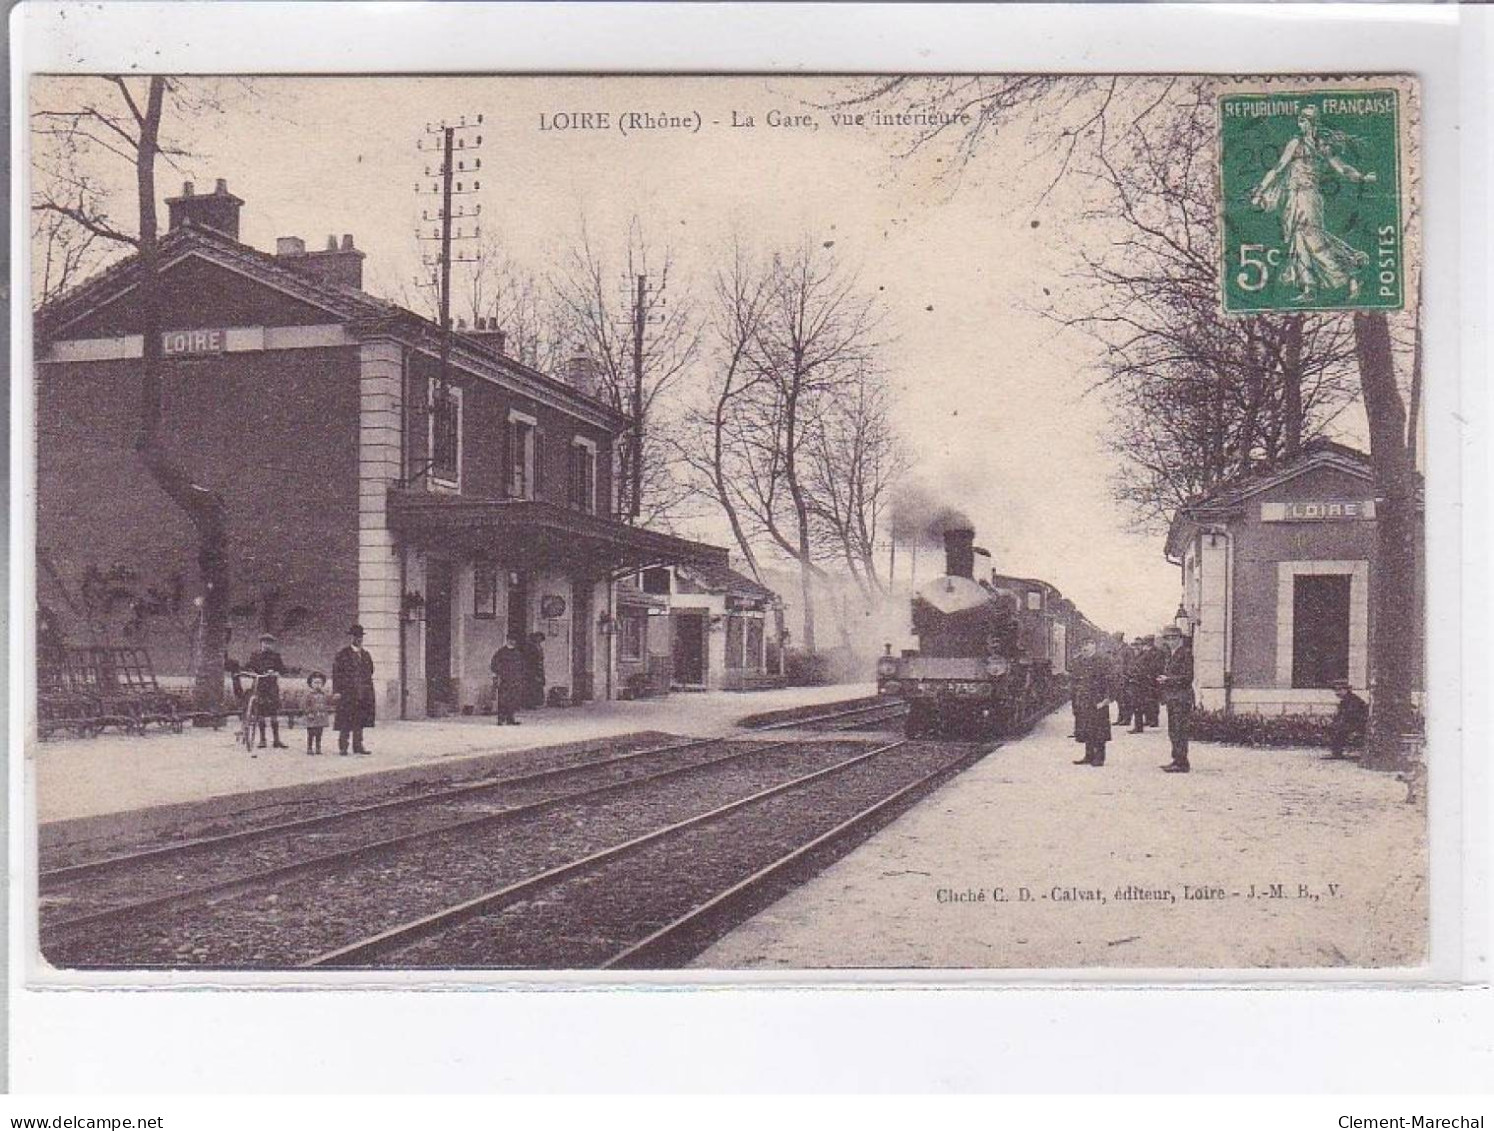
992 396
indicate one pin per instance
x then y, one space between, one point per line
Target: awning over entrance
528 534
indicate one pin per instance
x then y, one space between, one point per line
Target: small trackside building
1279 572
725 629
356 488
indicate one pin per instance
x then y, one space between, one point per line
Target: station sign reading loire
1321 510
188 343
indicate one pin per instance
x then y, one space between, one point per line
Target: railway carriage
992 654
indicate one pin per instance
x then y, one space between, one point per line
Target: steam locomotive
992 655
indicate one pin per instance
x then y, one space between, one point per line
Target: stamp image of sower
1310 196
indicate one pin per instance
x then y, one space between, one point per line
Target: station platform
112 773
1026 861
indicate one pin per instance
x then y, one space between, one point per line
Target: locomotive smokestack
959 552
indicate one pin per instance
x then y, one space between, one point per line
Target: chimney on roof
218 210
485 333
583 374
338 264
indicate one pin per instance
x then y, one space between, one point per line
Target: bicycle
249 713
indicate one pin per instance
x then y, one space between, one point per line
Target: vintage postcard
911 525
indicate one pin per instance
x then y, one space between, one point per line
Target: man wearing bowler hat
353 687
1177 694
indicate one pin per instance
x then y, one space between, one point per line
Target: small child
318 704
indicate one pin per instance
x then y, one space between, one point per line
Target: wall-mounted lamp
412 606
1183 621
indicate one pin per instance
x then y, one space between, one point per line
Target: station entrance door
690 630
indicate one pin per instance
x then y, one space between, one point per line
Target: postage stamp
1310 191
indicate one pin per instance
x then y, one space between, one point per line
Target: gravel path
1123 866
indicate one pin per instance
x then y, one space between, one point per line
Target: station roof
1226 500
716 577
364 314
532 534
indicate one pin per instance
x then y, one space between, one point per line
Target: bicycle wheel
251 720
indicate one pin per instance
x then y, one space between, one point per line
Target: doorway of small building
582 689
440 693
1320 629
689 630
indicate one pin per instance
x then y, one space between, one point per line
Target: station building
1279 572
355 491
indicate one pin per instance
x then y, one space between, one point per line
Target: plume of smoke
919 517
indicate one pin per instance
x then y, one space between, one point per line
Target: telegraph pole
452 222
640 302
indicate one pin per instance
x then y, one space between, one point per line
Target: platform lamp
1184 622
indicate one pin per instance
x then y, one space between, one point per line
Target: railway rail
50 877
604 910
105 896
865 716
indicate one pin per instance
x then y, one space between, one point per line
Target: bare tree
708 442
640 348
814 337
64 255
855 463
124 121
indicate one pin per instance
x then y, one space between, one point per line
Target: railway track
51 878
109 899
637 904
865 717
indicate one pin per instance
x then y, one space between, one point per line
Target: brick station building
1279 573
353 491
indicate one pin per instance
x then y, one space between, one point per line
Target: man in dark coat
1089 681
1349 720
1134 692
511 685
267 664
1150 663
353 689
1177 694
1121 658
534 669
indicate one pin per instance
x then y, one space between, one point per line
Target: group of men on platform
1140 678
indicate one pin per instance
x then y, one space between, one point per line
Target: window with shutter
583 465
539 463
523 457
444 434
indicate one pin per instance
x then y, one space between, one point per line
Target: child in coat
318 708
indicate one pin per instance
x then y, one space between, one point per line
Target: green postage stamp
1311 200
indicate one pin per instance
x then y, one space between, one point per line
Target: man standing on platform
511 681
534 670
353 687
1150 663
267 664
1089 680
1177 695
